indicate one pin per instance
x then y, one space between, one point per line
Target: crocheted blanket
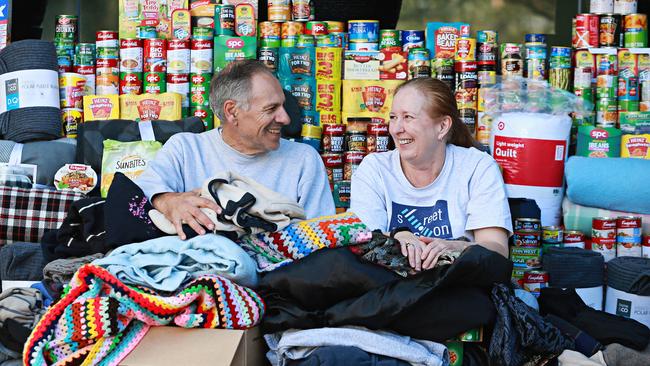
100 320
272 250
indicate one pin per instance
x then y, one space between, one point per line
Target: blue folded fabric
167 263
619 184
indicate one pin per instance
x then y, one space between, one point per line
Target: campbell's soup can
106 39
603 237
180 84
130 83
279 10
574 239
628 236
333 138
610 34
552 235
154 83
412 39
535 281
131 55
178 56
155 55
292 29
525 223
87 72
200 90
352 160
334 166
587 27
201 56
107 76
645 250
363 31
526 238
378 137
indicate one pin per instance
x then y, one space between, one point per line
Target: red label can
131 55
155 55
106 39
316 28
628 236
352 161
587 27
527 238
130 83
574 238
378 137
603 237
535 281
333 138
646 247
334 167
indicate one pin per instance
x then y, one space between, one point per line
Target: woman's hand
436 247
412 247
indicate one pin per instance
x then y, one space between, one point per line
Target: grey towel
59 153
60 271
618 355
629 274
33 123
21 262
573 267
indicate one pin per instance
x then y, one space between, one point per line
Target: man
248 100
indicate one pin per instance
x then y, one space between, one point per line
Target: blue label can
363 31
412 39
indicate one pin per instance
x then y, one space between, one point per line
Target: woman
435 186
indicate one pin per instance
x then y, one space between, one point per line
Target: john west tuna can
466 92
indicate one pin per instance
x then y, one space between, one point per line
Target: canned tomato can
155 55
200 90
279 10
334 167
389 38
419 64
146 31
352 160
224 20
205 114
65 28
107 76
316 28
625 6
178 56
512 63
269 57
130 82
154 82
587 26
412 39
270 30
603 237
301 10
363 31
610 34
378 137
292 29
635 30
335 26
527 238
645 250
574 239
71 118
443 70
131 55
601 6
535 281
333 138
628 236
552 235
465 49
201 56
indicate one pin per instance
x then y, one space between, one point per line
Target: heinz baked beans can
574 239
603 237
628 236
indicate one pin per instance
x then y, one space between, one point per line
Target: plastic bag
129 158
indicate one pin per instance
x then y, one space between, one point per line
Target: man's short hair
234 82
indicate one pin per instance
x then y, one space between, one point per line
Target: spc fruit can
389 38
200 90
603 237
628 236
334 166
352 160
224 20
377 137
333 138
279 10
610 34
526 238
269 57
552 235
635 30
586 32
363 31
535 281
412 39
574 239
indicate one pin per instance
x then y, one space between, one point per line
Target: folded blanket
609 183
167 263
100 319
578 217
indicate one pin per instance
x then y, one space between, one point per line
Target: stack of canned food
618 237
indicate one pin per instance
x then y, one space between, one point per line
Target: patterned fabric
99 320
25 214
298 240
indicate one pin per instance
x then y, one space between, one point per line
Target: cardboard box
173 346
361 65
231 48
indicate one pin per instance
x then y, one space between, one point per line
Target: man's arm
314 193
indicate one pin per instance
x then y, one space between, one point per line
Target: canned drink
130 82
601 6
335 26
201 56
146 31
527 238
628 236
292 29
334 167
316 28
106 39
203 33
279 10
419 64
178 56
333 138
511 60
270 30
131 55
487 36
205 114
154 83
305 40
200 90
587 26
625 6
465 49
224 20
71 118
443 70
352 160
180 84
363 46
378 137
412 39
603 237
552 235
269 57
535 281
363 31
66 27
107 76
610 34
155 55
389 38
635 30
574 239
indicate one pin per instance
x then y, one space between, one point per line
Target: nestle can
130 82
155 55
552 235
224 20
412 39
107 76
71 118
200 90
443 70
334 166
574 239
587 26
512 63
201 56
279 10
66 27
292 29
146 31
205 114
625 6
419 64
603 237
352 160
335 26
527 238
535 281
378 137
154 82
610 34
465 49
269 57
635 30
601 6
628 236
316 28
333 138
363 31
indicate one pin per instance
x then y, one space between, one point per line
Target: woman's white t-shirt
468 194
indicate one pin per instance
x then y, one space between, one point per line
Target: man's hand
185 208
